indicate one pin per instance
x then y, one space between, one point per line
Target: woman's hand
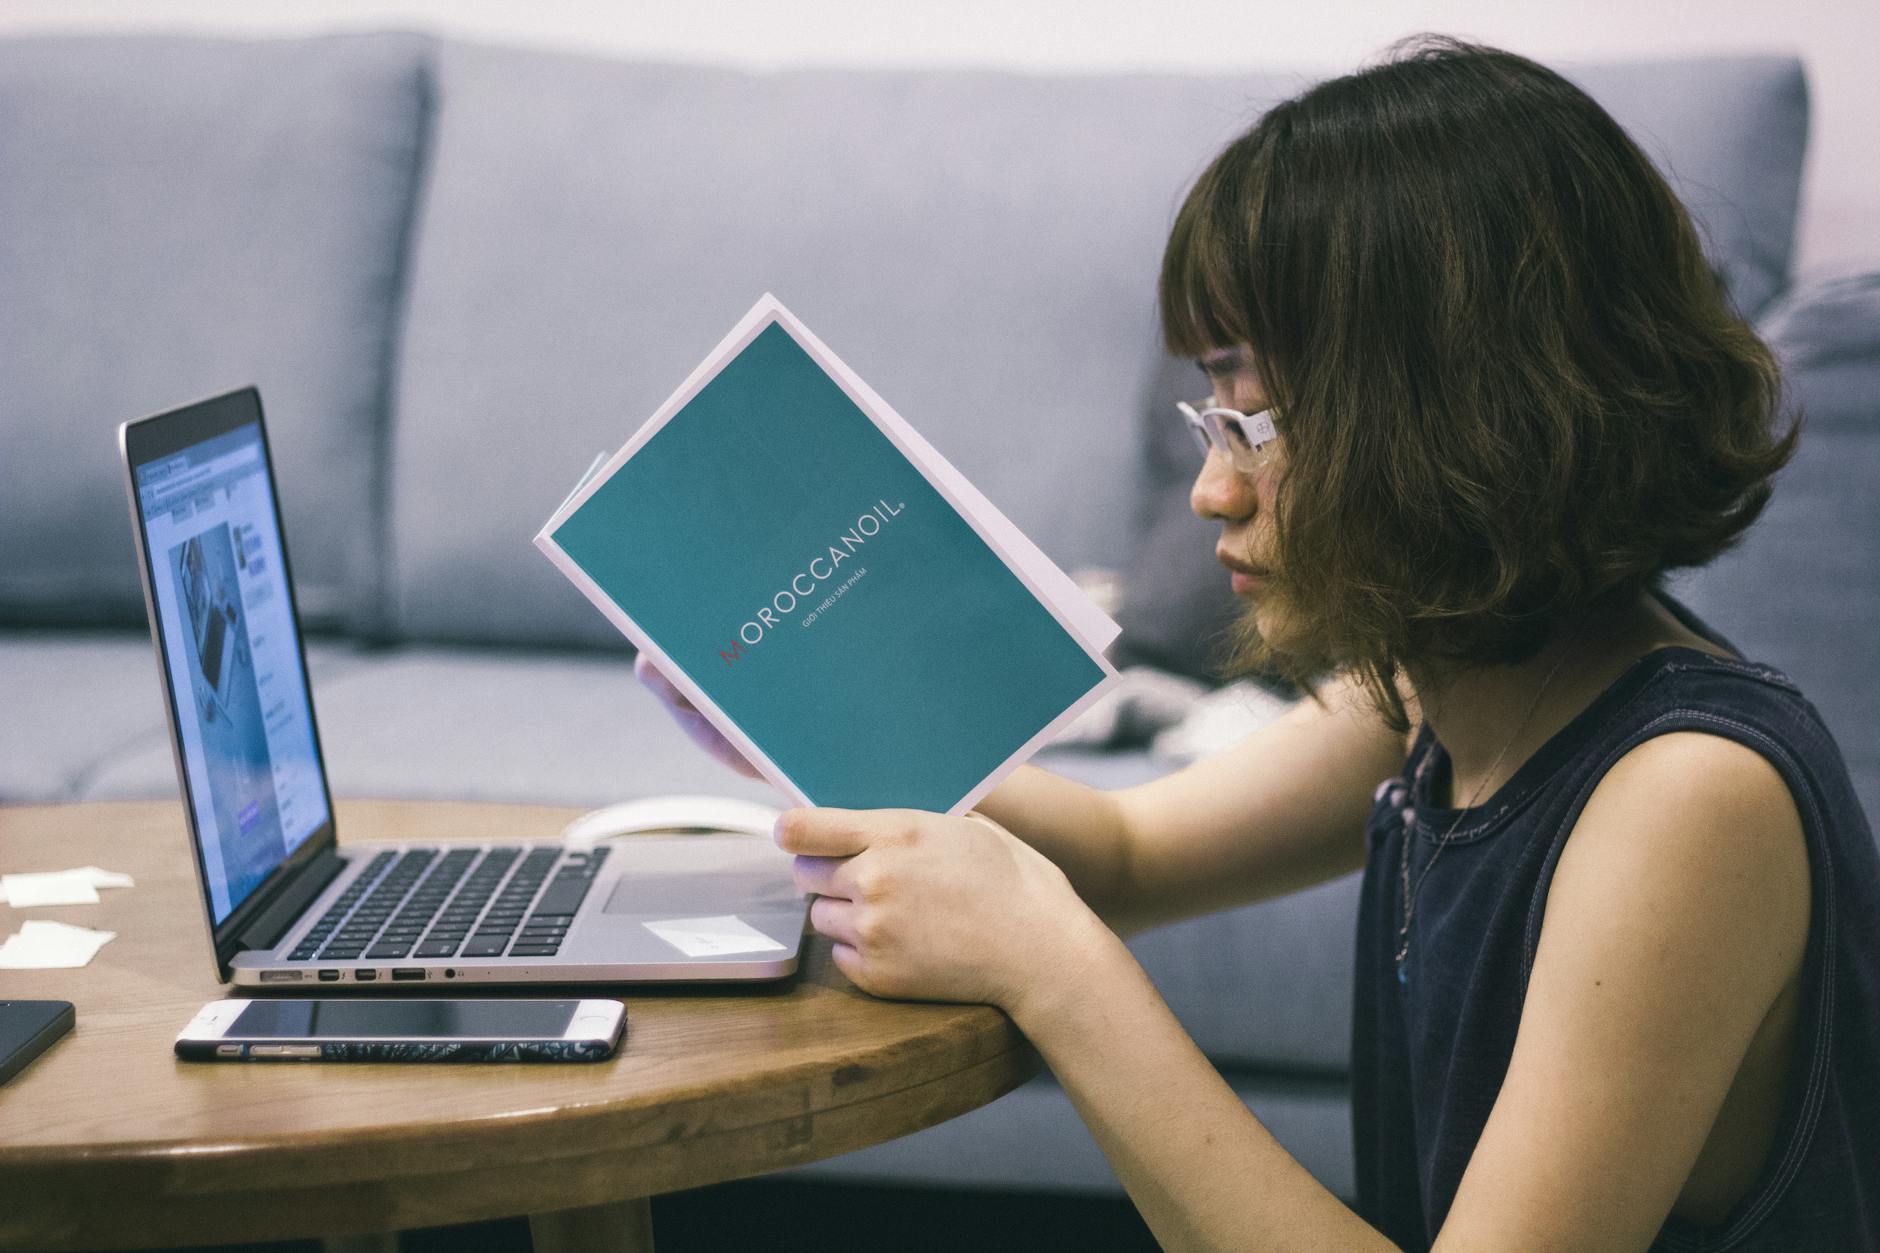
933 908
694 723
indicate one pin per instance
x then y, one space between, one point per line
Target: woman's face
1241 503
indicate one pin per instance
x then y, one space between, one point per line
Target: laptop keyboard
464 902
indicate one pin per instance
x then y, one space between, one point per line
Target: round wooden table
107 1141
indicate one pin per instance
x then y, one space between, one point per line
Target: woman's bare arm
1280 811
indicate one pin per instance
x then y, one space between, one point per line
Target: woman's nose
1220 491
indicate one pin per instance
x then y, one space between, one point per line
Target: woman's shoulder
1688 673
1700 742
1700 782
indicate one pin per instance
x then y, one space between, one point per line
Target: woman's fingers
848 960
820 875
697 726
834 917
833 832
701 732
662 687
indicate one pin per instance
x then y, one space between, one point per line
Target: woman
1474 393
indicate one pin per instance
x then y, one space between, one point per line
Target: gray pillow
1827 334
179 217
1728 133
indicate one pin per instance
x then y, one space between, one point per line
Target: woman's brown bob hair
1507 384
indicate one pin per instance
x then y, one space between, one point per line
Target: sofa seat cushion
1267 986
183 216
483 726
80 704
75 700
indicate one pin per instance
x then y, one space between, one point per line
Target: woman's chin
1271 620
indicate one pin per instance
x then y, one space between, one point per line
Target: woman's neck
1491 719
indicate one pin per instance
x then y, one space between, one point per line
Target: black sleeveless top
1431 1044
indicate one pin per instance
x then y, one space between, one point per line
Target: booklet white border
1082 620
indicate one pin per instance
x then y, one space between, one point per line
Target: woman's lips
1245 578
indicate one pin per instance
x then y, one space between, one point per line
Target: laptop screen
231 654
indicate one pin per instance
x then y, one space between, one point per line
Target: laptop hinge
272 923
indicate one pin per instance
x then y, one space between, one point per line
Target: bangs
1207 284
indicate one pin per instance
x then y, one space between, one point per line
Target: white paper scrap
718 936
26 891
41 945
60 887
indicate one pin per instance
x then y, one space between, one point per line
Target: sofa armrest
1801 588
1827 335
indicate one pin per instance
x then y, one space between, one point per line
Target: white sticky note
40 945
718 936
60 887
26 891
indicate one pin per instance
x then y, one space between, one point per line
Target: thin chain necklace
1410 897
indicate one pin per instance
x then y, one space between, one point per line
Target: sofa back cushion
981 247
179 217
1728 133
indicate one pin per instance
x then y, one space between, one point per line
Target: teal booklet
832 594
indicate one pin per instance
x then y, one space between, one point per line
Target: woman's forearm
1078 827
1202 1170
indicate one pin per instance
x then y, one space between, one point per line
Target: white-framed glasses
1247 440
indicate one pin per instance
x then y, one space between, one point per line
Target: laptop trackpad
683 895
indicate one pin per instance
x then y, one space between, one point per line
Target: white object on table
59 887
671 814
41 945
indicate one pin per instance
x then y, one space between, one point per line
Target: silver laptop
286 904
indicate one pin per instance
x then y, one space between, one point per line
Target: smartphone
329 1029
27 1029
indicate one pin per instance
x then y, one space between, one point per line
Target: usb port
280 976
365 976
329 976
399 976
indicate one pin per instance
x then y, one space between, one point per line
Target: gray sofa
456 271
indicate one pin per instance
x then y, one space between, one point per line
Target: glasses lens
1250 438
1241 447
1197 427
